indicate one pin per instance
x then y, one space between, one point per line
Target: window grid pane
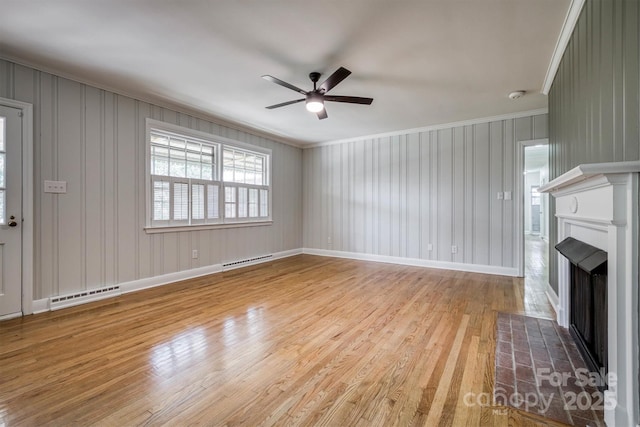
243 167
181 157
242 202
230 202
253 202
180 201
264 203
197 201
161 201
212 202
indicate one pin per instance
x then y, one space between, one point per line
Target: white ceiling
425 62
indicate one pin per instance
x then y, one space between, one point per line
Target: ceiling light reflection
180 351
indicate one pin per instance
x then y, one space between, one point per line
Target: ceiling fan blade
335 78
322 114
271 107
349 99
282 83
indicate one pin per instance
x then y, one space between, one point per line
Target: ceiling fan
316 98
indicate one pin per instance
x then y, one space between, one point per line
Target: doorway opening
536 222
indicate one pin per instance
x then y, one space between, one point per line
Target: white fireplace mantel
598 204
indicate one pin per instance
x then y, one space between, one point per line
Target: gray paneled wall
93 235
594 102
397 195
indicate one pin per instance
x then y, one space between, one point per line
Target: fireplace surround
598 204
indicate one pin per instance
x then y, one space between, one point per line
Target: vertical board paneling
110 195
412 195
358 223
384 240
457 206
70 207
482 195
144 264
496 159
443 221
508 208
469 193
424 196
92 164
394 193
397 195
594 102
126 189
402 195
93 235
434 158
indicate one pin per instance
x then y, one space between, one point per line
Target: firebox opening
588 301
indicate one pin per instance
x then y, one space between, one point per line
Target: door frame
27 201
520 198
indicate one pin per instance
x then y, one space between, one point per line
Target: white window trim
152 227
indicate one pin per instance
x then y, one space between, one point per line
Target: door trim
27 201
520 198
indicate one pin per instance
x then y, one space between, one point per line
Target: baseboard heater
243 262
82 297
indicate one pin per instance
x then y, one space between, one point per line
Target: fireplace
597 204
588 301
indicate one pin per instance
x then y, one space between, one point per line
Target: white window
196 177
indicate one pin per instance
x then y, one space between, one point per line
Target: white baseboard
443 265
287 254
260 260
40 305
43 305
165 279
553 298
10 316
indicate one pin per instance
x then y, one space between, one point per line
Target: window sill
174 228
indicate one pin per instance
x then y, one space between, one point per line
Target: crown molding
568 26
450 125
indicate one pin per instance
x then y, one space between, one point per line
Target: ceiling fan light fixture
315 103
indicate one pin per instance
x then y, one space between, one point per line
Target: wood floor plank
300 341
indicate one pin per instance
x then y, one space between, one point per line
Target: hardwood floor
536 274
301 341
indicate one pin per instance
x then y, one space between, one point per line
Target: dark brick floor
539 370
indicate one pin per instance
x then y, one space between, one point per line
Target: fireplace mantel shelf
586 171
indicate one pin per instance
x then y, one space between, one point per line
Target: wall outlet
507 195
329 240
500 195
194 254
58 187
429 247
454 249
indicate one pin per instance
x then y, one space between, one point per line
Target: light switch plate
59 187
507 195
500 195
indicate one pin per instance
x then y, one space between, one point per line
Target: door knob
12 222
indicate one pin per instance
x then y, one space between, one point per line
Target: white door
10 211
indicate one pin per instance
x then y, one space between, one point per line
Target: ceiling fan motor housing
314 76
